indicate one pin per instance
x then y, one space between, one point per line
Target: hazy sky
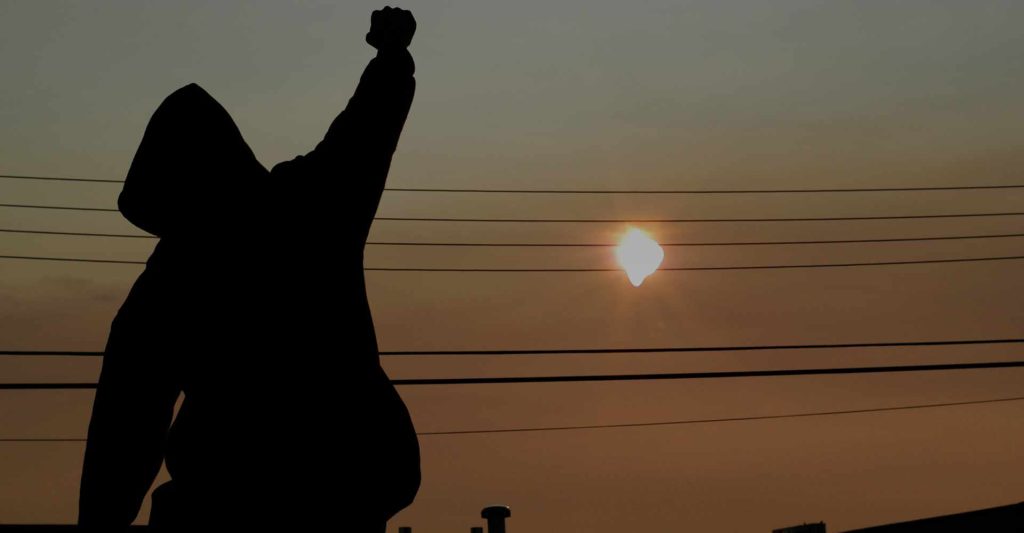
589 95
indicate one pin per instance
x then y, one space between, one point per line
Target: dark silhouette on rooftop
220 319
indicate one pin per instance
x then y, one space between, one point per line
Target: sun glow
639 255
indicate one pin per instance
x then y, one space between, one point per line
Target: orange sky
670 95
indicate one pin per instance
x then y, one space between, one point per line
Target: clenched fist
391 28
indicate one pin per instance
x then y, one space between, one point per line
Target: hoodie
253 306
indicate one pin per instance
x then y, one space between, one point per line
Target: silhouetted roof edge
1008 518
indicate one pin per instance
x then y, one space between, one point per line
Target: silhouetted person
253 305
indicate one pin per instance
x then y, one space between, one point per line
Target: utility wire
72 260
677 220
693 349
614 191
676 269
57 178
663 244
565 245
595 220
703 191
710 375
509 270
77 234
625 377
646 424
62 207
575 351
719 420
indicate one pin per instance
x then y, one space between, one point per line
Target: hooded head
193 171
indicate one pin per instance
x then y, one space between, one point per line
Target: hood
193 171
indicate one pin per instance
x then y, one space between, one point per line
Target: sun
639 255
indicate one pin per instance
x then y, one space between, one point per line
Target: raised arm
351 163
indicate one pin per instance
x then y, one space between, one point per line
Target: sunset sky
740 94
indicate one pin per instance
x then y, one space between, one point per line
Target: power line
57 178
704 191
719 420
61 207
693 349
62 528
43 439
565 245
614 191
72 260
678 269
678 220
663 244
80 234
50 353
510 270
624 377
595 220
644 424
710 375
575 351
